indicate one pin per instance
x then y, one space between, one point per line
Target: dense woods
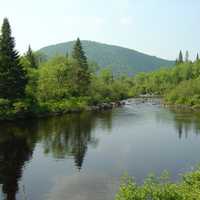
32 84
178 85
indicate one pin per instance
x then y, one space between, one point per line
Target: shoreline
194 108
97 108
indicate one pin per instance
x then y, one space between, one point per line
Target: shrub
161 188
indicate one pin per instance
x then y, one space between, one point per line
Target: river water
83 156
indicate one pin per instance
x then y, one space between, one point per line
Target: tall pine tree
180 58
31 58
82 74
197 58
12 76
187 56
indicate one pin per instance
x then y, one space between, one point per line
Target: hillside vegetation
122 60
32 86
179 85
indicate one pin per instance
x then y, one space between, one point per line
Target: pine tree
187 56
180 58
12 76
197 58
79 55
82 76
31 58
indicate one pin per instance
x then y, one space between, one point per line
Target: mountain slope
121 59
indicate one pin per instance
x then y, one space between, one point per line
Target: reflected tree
16 147
184 121
64 136
70 135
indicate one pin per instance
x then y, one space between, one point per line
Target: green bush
186 93
161 188
20 107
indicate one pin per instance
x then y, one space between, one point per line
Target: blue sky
156 27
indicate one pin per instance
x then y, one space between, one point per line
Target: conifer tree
12 76
82 71
197 58
31 58
187 56
180 58
79 55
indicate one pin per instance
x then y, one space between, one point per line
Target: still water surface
83 156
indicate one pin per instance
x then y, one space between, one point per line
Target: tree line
180 58
32 84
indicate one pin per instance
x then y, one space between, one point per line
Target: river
83 156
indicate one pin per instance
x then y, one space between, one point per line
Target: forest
31 85
178 85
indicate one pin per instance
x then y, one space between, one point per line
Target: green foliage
180 58
161 188
12 76
32 63
186 93
53 80
62 106
80 71
12 109
197 58
164 80
66 83
106 88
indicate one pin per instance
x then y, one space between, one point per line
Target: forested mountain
121 59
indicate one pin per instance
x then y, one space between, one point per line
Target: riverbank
24 110
183 107
171 105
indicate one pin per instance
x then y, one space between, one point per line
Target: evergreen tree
31 58
79 55
180 58
12 76
197 58
187 56
82 76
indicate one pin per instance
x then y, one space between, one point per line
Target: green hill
121 59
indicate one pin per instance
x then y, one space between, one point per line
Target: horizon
153 27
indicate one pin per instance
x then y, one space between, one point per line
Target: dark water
82 157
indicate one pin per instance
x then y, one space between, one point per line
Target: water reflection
60 136
16 147
189 122
184 121
69 136
135 134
